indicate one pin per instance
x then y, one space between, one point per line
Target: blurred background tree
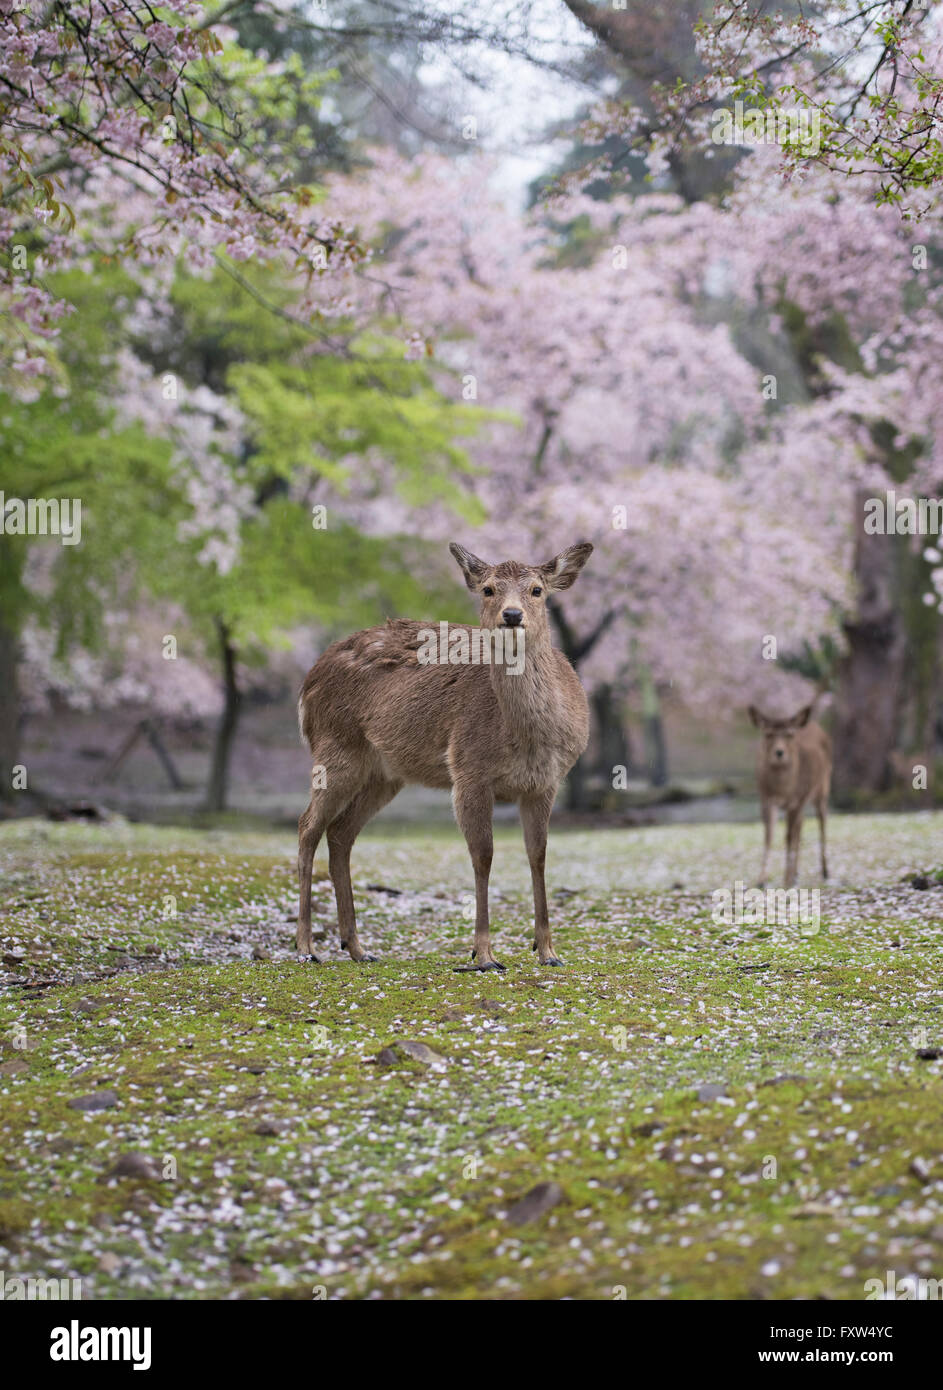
304 325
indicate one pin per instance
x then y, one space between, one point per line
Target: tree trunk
613 749
654 732
218 785
11 595
931 713
9 711
575 649
576 787
658 761
869 678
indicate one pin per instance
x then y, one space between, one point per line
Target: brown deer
793 767
375 716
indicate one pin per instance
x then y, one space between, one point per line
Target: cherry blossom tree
719 473
161 114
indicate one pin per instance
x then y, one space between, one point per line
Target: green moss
292 1162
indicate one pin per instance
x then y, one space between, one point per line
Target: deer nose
780 753
512 616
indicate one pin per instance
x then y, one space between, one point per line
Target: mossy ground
294 1165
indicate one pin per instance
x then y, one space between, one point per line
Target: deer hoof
362 958
305 957
552 961
488 965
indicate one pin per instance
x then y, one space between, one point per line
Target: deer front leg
535 818
793 832
474 807
769 822
821 808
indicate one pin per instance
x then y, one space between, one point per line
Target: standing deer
376 717
793 767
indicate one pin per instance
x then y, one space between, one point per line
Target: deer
793 767
376 716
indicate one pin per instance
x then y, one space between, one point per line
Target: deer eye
537 592
488 591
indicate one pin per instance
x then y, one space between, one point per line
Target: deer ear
755 717
802 718
473 569
561 571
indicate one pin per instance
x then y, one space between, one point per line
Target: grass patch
288 1162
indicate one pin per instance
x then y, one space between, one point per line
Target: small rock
152 949
421 1053
713 1090
62 1145
109 1262
79 810
12 1067
539 1200
451 1016
920 881
920 1169
386 1057
929 1054
646 1130
260 953
12 958
255 1068
98 1100
133 1165
87 1006
781 1080
270 1127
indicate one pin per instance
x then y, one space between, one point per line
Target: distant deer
376 717
793 767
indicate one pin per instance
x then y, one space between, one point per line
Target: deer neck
530 698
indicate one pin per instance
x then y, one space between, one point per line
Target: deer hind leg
341 834
821 810
327 802
793 833
769 823
535 818
474 807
